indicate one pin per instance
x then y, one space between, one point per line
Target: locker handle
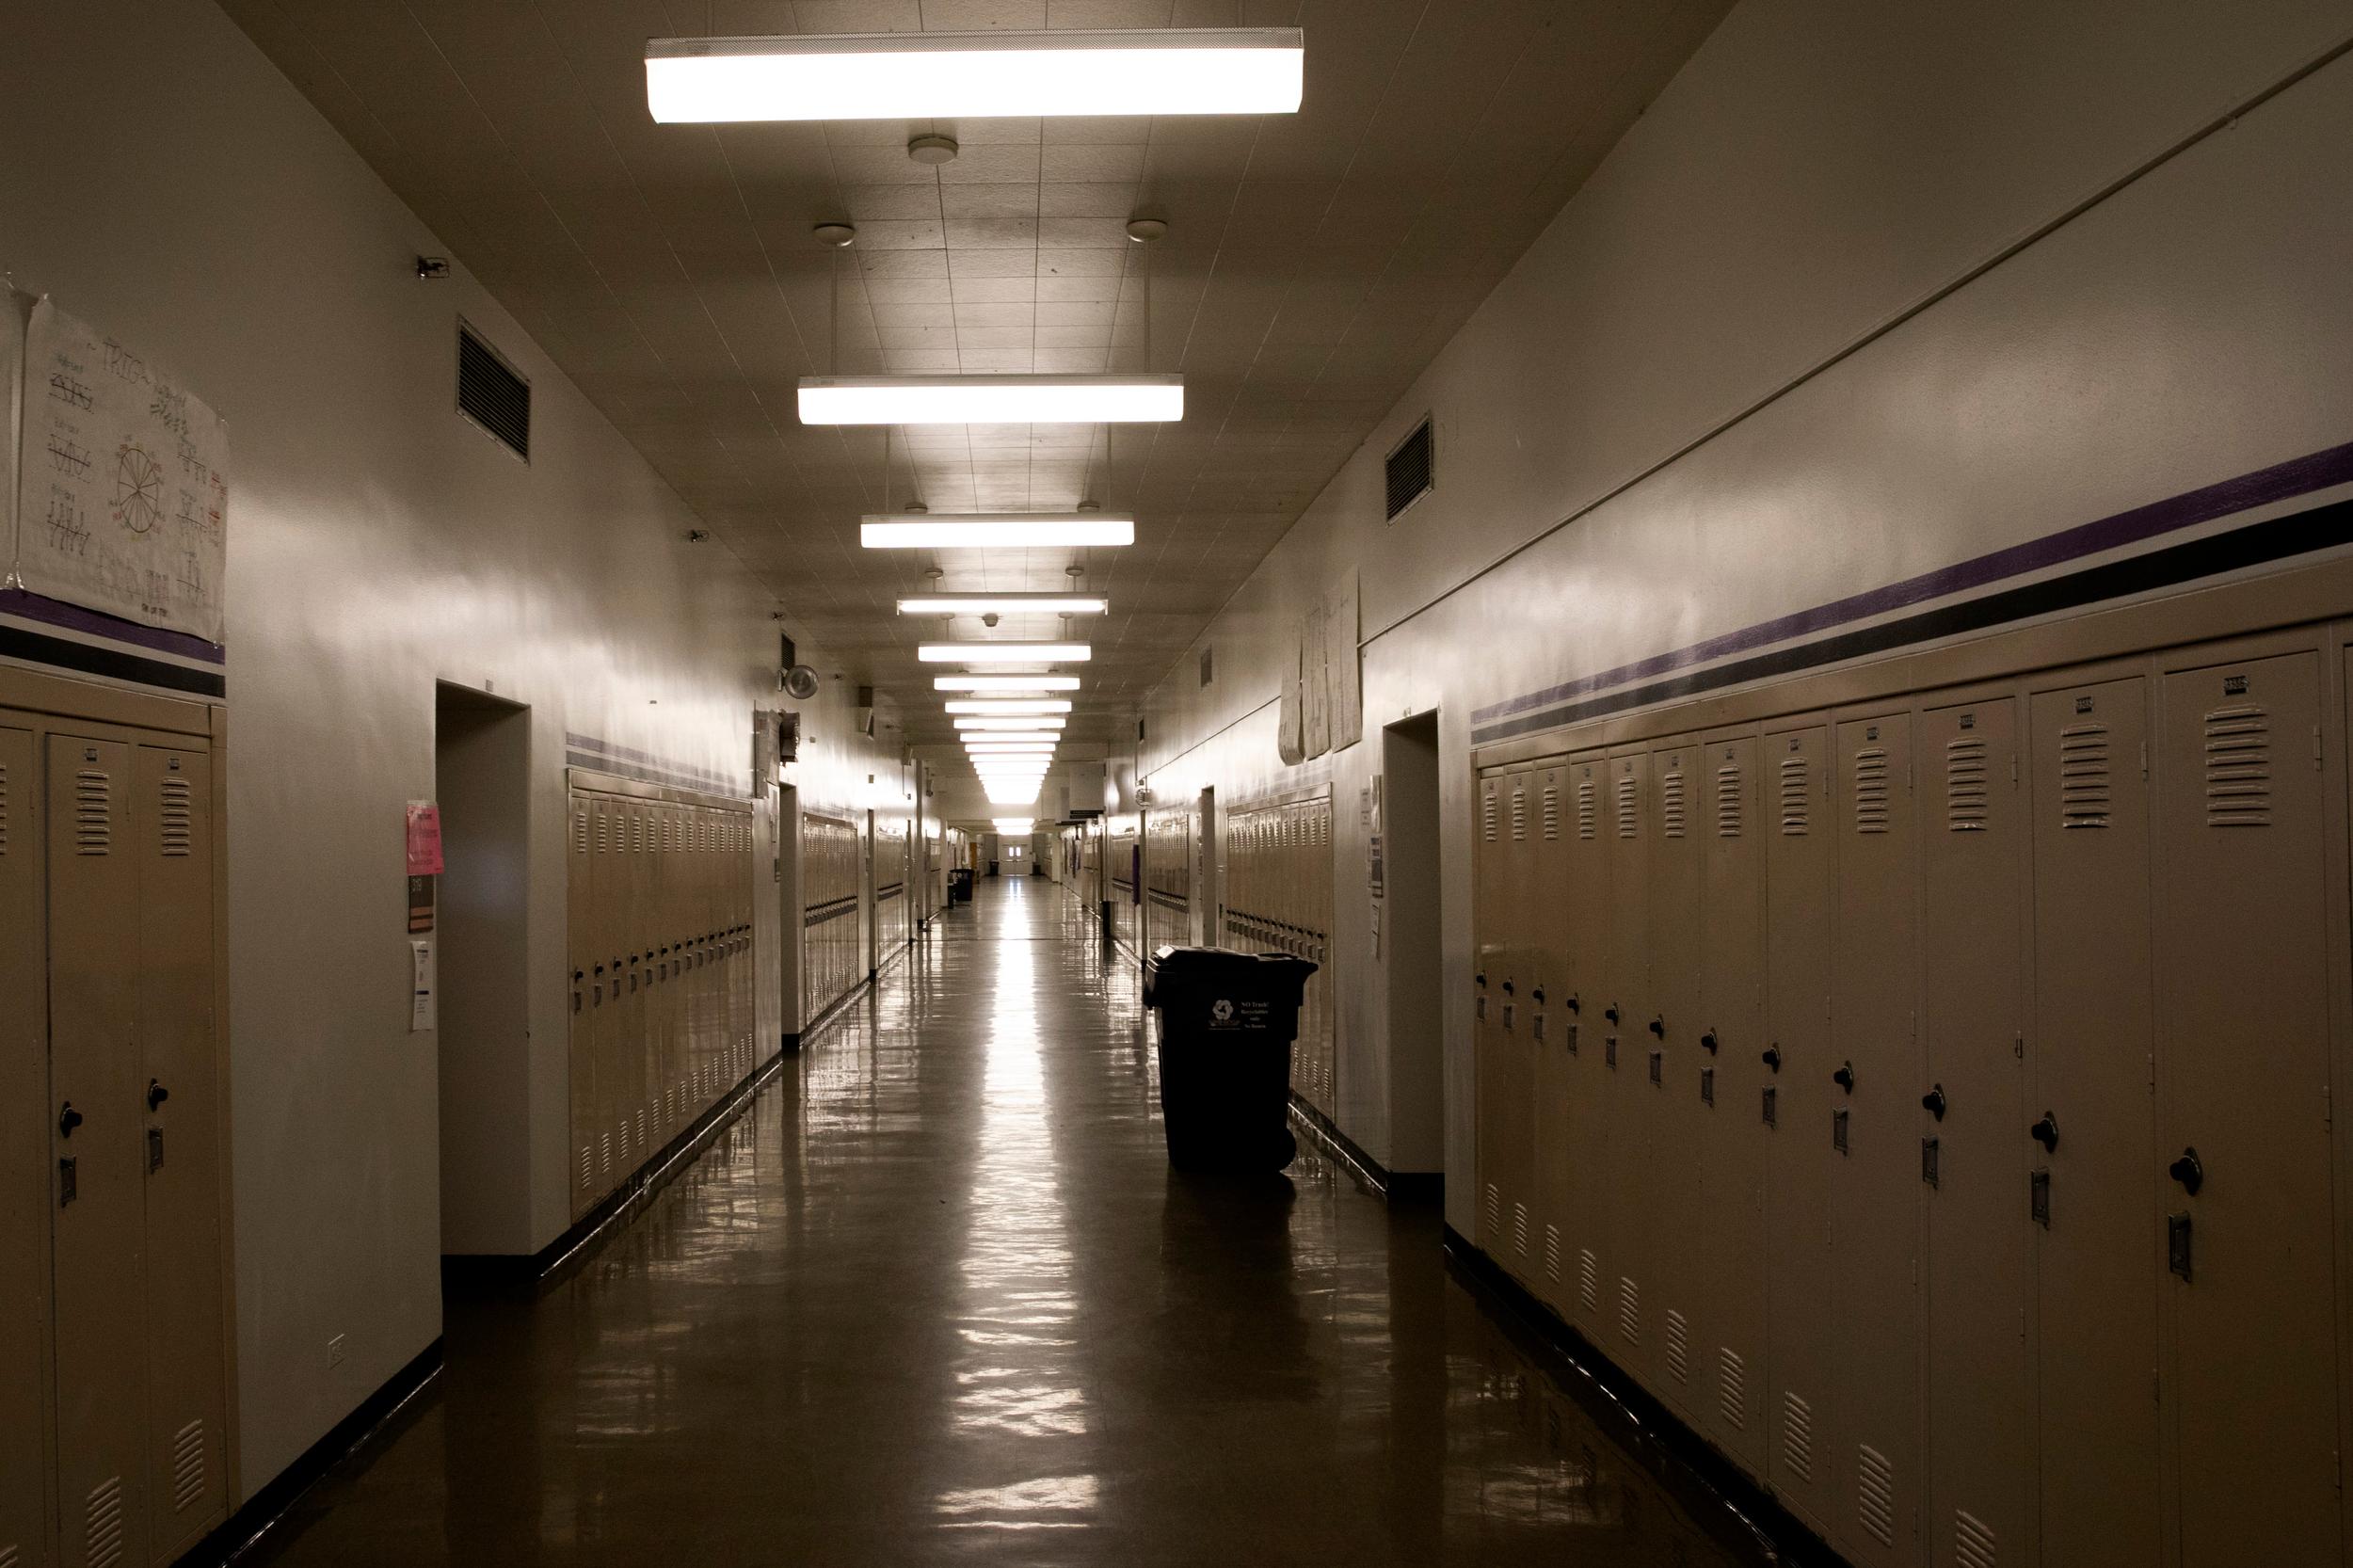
1659 1025
2190 1171
1610 1012
1934 1101
1571 1002
1507 988
1844 1077
68 1119
1538 993
156 1095
1707 1042
1773 1058
2046 1133
1479 979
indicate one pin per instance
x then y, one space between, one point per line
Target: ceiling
1314 265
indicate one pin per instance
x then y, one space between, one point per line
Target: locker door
586 983
1666 1036
1489 963
1626 1065
2097 1240
179 1044
1972 1125
96 1108
24 1160
1582 1154
1515 1121
1733 1139
1875 1179
1795 1107
2244 972
1549 1019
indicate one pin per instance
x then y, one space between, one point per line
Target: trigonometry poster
122 483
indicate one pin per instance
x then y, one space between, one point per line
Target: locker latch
155 1149
2177 1243
1610 1050
1772 1106
1658 1067
2038 1197
1928 1161
1838 1130
1569 1039
1707 1085
66 1182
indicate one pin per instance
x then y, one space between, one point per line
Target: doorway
482 783
1206 893
1411 916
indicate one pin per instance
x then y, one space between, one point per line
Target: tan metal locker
1666 1038
580 902
1547 905
1626 1013
1489 964
1578 1172
1795 1106
171 819
2094 1202
2244 973
1972 1145
23 1161
1875 1181
1731 1038
96 1108
1516 1114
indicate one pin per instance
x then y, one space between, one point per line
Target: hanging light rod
1003 530
1007 684
1003 653
1004 604
991 399
1137 71
991 705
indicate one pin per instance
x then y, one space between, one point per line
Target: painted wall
165 183
1868 291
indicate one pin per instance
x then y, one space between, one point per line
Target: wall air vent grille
1875 1494
1974 1545
1411 470
1967 805
1870 791
492 395
1630 818
93 812
1731 1388
1552 811
179 821
1728 801
2238 768
1793 797
187 1466
2087 789
1588 808
1797 1437
1673 818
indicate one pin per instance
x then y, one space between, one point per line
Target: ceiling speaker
800 683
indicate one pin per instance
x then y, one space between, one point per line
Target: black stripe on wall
92 659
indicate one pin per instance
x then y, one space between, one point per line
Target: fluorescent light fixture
1001 706
1012 825
1004 604
1009 685
1006 721
992 399
1005 530
1136 70
1036 750
1003 653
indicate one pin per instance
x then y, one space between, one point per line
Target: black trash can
1227 1020
959 885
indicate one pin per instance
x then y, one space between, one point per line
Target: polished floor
937 1298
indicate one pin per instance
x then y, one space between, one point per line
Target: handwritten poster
123 497
425 838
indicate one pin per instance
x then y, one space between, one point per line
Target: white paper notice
123 500
420 984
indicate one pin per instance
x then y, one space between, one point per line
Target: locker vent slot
11 1558
1728 801
93 821
1488 815
1588 1281
1972 1540
2238 768
1519 1228
604 1154
1552 811
1967 804
179 822
580 831
1732 1389
1870 790
602 844
1630 1310
1797 1437
1793 797
188 1465
1494 1213
1672 813
1519 814
1588 810
102 1525
2086 786
3 824
1875 1494
1552 1255
1629 823
1678 1346
588 1166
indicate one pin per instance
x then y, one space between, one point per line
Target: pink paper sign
425 838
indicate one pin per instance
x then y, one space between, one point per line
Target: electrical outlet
335 1351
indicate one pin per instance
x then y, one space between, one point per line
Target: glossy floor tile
937 1298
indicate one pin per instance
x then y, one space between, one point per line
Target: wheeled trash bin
1227 1020
959 885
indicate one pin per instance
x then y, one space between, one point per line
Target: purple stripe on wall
2281 482
54 612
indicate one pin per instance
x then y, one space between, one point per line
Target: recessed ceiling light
1004 604
973 721
1003 653
983 531
1006 683
1009 705
1012 825
1139 70
991 399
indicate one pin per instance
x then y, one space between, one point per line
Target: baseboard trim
1612 1394
261 1513
1375 1177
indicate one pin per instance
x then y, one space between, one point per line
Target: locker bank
626 628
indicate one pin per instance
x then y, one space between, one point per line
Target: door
1544 903
24 1138
1973 1135
1515 1059
1794 1106
1626 1062
1579 1158
2093 1206
2244 972
1490 961
1667 1037
1875 1179
96 1108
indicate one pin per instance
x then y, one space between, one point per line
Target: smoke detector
932 150
835 234
1144 231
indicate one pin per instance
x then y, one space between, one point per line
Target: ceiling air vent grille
492 395
1410 476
